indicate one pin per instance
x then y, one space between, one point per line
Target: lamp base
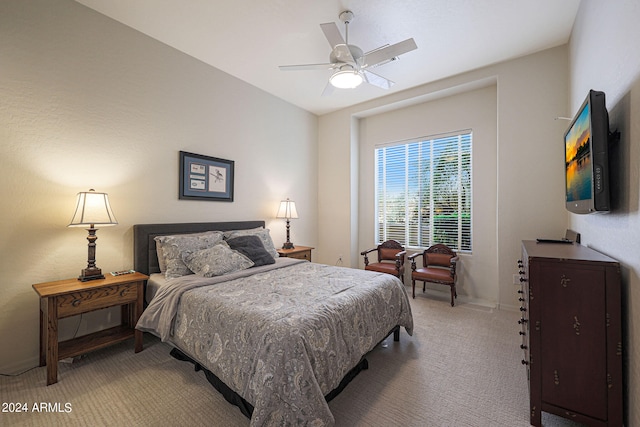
90 274
288 245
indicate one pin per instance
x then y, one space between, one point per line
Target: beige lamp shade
92 209
287 210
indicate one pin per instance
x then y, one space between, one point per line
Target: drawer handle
76 302
576 325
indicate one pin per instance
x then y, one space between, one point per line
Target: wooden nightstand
299 252
70 297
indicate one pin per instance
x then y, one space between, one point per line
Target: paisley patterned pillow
173 246
216 261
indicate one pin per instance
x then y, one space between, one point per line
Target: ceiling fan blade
332 33
339 47
328 89
389 52
377 80
325 66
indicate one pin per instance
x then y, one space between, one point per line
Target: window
423 192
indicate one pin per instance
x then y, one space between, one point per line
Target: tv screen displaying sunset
578 158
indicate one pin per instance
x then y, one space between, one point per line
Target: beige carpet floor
460 368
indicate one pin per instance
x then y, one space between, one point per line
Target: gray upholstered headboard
145 259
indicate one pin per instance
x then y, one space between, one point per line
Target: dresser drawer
94 299
301 255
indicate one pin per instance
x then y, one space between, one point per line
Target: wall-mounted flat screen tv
586 157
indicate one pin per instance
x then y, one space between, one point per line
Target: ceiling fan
350 64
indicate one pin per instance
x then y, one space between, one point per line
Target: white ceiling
249 39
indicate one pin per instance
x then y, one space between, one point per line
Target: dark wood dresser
571 332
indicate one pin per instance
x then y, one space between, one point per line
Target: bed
278 339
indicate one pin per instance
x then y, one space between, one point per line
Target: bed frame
146 261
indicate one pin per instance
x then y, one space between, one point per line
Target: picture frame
205 178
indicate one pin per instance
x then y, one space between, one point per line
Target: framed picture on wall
205 178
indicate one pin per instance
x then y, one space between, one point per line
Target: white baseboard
509 307
446 296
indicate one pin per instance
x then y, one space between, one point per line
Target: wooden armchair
391 256
438 266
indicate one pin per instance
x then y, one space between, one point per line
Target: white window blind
423 192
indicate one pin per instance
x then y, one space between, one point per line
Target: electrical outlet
339 261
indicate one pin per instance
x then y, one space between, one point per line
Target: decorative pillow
216 260
252 248
173 246
261 232
161 264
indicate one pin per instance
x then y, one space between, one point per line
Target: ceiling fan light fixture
346 79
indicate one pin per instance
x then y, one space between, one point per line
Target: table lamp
288 211
92 209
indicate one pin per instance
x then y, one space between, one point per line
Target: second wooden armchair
438 266
391 256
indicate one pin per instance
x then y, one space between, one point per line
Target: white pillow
172 247
216 260
261 232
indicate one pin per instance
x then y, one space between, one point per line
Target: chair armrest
366 258
400 260
413 256
453 262
368 250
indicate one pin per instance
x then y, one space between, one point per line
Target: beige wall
518 181
433 118
89 103
605 55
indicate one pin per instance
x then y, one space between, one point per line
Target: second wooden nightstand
65 298
299 252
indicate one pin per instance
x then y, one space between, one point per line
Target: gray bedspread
284 335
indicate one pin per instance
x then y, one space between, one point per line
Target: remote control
120 273
565 241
